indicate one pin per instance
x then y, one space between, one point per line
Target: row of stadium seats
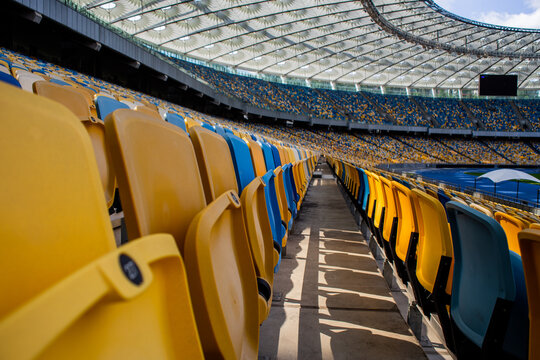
207 213
496 115
436 243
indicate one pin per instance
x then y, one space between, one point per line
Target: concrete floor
330 300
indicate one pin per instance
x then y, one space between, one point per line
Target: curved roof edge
387 26
440 10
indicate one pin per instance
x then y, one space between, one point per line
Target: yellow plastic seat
222 277
215 162
535 226
407 219
511 226
282 200
434 239
157 196
380 204
149 111
260 241
283 155
482 209
390 210
75 101
432 269
68 292
257 157
218 177
191 122
529 243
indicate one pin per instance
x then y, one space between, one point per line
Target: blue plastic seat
268 156
228 131
489 299
443 198
275 153
219 129
274 215
290 190
177 120
59 82
208 127
105 105
290 176
241 159
365 189
9 79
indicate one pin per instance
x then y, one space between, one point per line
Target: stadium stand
530 109
209 204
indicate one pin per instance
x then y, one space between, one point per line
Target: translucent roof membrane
368 43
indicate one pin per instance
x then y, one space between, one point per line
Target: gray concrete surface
330 300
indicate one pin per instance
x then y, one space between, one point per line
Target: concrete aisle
330 301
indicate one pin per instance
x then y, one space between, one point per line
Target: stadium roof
391 43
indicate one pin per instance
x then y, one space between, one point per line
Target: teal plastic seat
489 298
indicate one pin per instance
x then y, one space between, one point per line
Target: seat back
7 78
222 278
27 79
215 162
407 219
149 111
177 120
480 248
54 176
286 213
275 154
66 96
157 196
482 209
268 156
76 102
529 243
65 262
257 157
105 105
381 201
390 209
365 191
511 226
241 159
434 240
372 194
259 229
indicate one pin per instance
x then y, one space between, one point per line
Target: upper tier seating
447 112
495 114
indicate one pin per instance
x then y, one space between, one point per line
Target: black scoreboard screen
498 85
